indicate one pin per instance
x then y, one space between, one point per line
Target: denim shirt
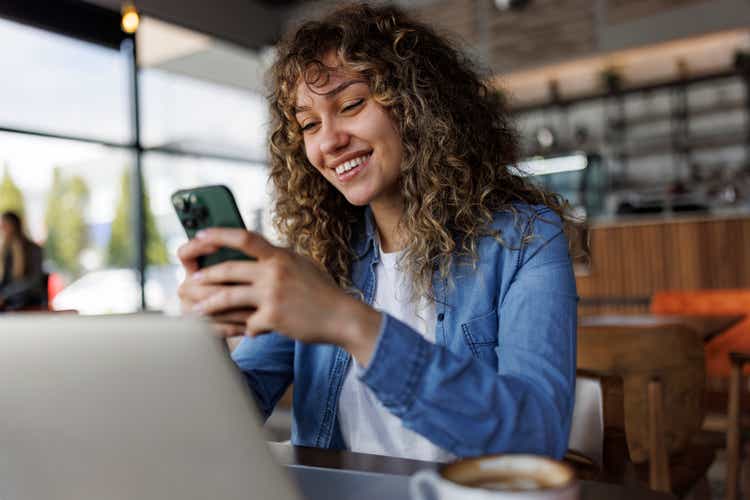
500 377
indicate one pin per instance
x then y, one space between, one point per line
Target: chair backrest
714 301
671 353
710 302
587 428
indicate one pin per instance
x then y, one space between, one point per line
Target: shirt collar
365 239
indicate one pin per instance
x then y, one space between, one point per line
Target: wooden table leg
658 462
733 430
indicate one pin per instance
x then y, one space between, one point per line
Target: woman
426 306
21 278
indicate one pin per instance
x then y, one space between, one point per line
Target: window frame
101 26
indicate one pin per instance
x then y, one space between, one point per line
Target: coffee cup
497 477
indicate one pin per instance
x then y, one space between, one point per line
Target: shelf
663 144
573 100
650 118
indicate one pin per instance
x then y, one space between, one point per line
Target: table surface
287 454
705 326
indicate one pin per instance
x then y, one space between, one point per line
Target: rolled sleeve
397 365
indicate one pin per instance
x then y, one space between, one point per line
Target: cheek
388 133
395 146
311 156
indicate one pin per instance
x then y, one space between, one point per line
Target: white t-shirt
367 426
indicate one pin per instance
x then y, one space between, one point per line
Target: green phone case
209 206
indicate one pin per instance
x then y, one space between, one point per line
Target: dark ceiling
249 23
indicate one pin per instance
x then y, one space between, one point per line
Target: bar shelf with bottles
664 149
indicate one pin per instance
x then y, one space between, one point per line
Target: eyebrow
331 93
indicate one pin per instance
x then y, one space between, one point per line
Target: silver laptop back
127 407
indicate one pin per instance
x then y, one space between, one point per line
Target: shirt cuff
397 365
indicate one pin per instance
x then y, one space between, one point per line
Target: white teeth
348 165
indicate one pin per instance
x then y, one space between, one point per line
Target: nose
333 140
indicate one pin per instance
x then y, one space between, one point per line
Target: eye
309 126
353 105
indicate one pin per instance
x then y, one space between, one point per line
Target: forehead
317 82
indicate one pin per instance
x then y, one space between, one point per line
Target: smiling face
350 138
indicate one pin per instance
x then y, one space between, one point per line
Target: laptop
140 407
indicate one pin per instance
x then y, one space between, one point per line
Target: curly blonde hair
457 137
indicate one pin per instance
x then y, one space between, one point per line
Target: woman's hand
287 293
228 324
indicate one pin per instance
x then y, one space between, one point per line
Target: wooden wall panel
632 261
544 31
458 17
619 11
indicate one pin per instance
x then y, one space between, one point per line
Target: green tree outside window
11 197
67 233
121 248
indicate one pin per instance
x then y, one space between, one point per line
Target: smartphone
209 206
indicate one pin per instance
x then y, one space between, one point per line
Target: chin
358 201
357 195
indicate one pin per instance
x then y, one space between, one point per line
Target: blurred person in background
425 306
22 284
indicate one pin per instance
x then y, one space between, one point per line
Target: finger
190 251
227 299
228 330
233 271
194 292
257 325
251 243
238 317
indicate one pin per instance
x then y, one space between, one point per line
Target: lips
353 172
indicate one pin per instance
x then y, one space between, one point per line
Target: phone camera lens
179 205
190 223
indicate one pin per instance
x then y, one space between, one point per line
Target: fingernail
198 276
201 234
199 308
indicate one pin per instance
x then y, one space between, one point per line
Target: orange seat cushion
716 302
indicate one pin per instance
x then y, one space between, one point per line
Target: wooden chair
663 375
726 355
715 301
734 429
587 426
592 429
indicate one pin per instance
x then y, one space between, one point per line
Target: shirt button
440 317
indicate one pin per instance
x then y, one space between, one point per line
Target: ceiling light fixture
511 4
130 18
554 165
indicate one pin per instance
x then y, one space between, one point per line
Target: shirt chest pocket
480 335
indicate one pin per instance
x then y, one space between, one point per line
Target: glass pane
62 85
199 94
73 202
163 175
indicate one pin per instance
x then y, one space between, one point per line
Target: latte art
498 477
517 483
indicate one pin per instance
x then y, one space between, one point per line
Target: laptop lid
127 407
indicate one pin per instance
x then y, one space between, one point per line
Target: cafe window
69 195
70 151
247 181
203 122
57 84
65 145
